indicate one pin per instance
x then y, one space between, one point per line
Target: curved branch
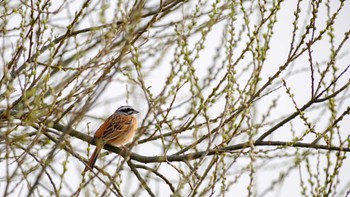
197 155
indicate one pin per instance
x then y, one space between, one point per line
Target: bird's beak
136 112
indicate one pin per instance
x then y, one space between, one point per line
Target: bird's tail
93 158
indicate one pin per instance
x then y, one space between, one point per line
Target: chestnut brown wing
103 127
114 128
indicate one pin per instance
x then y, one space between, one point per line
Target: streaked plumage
117 130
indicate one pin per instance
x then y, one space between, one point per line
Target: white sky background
277 54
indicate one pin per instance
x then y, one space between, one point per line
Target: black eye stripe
128 110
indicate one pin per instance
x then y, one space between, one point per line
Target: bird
116 130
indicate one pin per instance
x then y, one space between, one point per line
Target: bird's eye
128 111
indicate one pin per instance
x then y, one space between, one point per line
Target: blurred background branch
236 97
